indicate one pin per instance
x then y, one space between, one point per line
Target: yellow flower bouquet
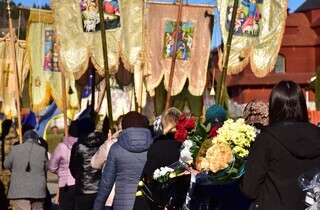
224 160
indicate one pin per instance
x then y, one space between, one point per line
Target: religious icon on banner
248 17
91 18
50 52
185 38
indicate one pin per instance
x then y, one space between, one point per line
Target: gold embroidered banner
131 36
7 73
257 37
192 50
77 23
45 76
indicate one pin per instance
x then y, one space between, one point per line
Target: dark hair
26 127
105 125
287 102
73 129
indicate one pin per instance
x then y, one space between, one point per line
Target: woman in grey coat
125 162
28 163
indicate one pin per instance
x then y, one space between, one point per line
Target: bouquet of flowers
219 152
161 190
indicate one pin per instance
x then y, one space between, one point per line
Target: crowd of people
100 170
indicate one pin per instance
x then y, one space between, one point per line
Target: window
280 66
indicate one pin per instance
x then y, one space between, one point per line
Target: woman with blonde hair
163 152
169 119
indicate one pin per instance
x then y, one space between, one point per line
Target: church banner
45 73
258 30
7 73
131 36
77 23
193 46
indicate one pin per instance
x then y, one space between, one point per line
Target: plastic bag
310 183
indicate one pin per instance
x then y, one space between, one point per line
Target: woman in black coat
289 147
163 152
86 178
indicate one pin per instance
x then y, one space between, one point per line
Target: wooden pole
100 99
173 61
226 58
17 92
64 103
106 64
93 91
144 55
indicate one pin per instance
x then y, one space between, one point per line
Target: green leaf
202 131
208 127
194 151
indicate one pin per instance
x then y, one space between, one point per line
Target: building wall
301 49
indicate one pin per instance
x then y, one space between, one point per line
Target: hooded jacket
124 165
280 154
28 163
86 178
59 162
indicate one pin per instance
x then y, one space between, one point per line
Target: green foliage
54 139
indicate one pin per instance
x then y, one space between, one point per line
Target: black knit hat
134 119
85 126
73 129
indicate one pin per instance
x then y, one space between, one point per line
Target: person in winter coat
125 162
164 151
28 163
99 159
287 148
59 164
86 178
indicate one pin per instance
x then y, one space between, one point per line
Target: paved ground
52 183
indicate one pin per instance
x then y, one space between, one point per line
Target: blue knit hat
215 111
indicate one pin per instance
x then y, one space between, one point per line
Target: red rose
213 131
180 135
190 124
182 118
179 125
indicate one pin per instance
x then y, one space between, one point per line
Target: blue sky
292 4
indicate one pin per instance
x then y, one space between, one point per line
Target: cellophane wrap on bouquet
309 182
162 189
218 153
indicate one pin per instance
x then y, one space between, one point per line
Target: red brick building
298 58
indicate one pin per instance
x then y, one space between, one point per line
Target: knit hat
134 119
73 129
215 114
256 112
86 126
26 127
30 134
